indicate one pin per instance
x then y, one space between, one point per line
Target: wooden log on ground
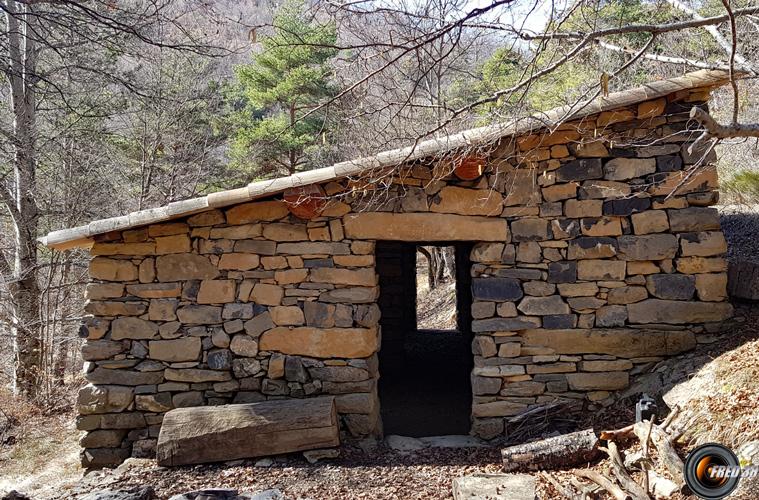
229 432
557 452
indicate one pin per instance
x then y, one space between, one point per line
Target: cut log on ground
230 432
557 452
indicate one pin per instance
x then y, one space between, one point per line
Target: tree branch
718 131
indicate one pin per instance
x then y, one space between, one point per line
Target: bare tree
50 50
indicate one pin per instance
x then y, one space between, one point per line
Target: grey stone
498 289
531 229
520 274
669 163
245 367
485 385
319 315
592 248
123 377
187 399
487 252
585 304
559 321
103 399
505 324
404 443
94 350
156 403
525 388
294 370
678 312
622 169
626 206
338 373
671 286
237 310
537 288
260 247
351 295
131 420
564 229
529 251
483 309
647 247
694 219
220 336
220 359
199 315
541 306
195 375
609 316
562 272
259 324
343 316
313 248
275 387
579 170
132 328
248 397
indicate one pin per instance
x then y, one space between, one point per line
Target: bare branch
718 131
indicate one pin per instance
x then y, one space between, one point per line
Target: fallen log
557 452
229 432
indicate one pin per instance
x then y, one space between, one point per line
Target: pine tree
280 123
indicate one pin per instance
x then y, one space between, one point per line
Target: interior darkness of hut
424 385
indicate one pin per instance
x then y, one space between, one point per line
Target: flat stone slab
204 434
488 486
405 443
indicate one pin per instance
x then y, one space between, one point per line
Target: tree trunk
557 452
22 205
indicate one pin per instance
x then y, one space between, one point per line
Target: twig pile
619 481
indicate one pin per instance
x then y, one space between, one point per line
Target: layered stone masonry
593 261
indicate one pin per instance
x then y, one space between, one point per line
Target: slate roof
81 236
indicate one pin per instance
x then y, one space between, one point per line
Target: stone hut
586 252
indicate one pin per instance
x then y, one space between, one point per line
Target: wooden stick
605 483
644 463
617 434
670 418
564 491
624 477
586 490
667 454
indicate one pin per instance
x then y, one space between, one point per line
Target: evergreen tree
279 124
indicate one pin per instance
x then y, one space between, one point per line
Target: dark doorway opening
424 385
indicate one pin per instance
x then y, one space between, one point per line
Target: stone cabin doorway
424 384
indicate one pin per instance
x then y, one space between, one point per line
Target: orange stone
305 202
321 343
255 212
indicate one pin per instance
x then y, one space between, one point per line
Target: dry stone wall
596 256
